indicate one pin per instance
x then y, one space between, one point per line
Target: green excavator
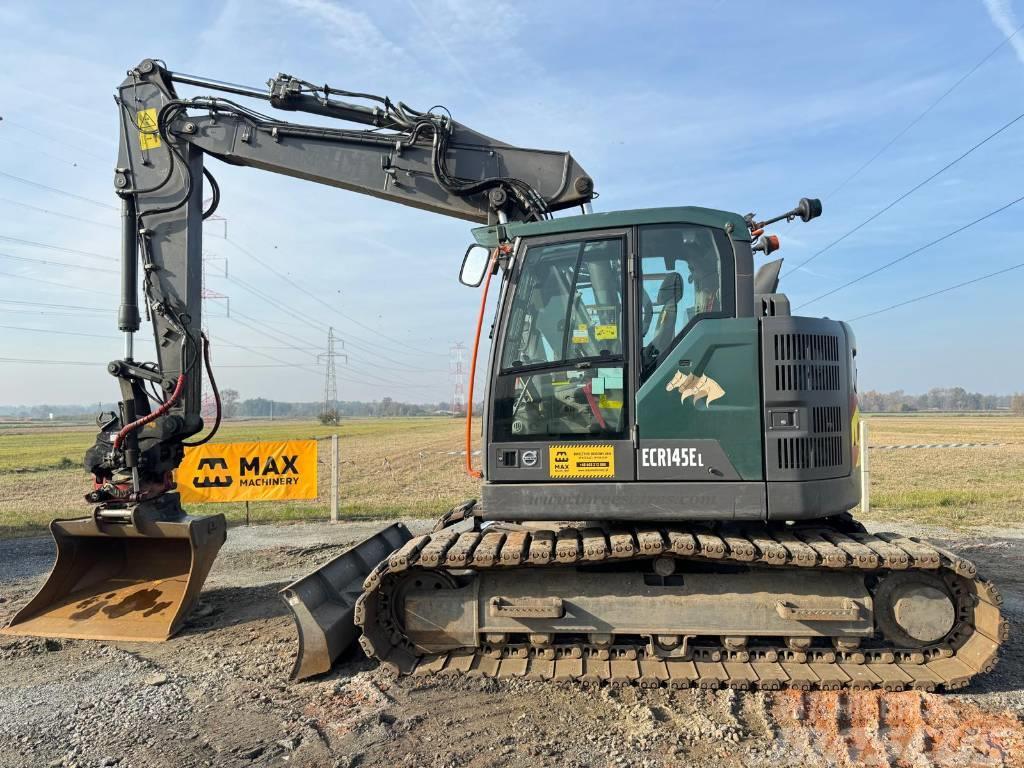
670 456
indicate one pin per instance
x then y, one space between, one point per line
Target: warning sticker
606 402
148 136
606 332
570 461
581 334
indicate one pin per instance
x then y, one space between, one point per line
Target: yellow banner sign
581 461
264 471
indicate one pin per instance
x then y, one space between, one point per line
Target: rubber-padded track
969 649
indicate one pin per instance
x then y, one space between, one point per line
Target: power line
57 191
309 322
32 361
58 306
907 194
317 299
302 317
921 116
22 312
940 291
907 255
64 264
51 247
40 280
61 333
35 132
58 213
299 348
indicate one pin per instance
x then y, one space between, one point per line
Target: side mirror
474 265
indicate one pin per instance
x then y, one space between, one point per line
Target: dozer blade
322 603
122 581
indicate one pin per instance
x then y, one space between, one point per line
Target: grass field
389 468
393 467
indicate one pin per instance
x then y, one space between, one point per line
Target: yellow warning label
567 461
148 136
581 335
604 402
606 332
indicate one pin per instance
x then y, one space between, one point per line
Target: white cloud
1002 15
352 31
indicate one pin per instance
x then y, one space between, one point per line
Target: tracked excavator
669 454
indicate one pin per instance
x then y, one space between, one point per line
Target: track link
971 647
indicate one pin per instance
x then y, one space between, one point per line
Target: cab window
686 274
562 366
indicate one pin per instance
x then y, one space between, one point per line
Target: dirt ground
217 694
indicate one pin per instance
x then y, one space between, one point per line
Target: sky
744 106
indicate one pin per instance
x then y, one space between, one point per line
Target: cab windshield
562 370
567 305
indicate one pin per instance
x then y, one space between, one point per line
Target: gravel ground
217 694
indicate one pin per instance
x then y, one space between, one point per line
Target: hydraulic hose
127 429
476 473
216 395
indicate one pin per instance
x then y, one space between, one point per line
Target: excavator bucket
122 581
323 602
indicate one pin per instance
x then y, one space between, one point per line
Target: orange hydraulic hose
476 473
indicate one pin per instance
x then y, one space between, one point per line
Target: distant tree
1017 404
229 403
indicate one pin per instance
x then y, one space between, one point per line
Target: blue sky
745 106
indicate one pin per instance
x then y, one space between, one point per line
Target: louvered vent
812 362
810 452
826 419
806 346
806 371
807 378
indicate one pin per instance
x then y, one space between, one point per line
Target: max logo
561 459
269 466
697 387
216 481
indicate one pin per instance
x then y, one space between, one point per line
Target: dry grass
955 487
389 468
401 467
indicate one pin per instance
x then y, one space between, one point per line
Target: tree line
939 399
871 401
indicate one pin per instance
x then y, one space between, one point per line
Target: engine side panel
809 409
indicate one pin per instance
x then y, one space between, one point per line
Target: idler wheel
914 609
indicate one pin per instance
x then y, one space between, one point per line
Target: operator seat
670 293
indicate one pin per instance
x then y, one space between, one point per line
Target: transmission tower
329 411
457 370
208 406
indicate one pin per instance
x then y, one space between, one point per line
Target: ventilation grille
825 419
807 346
810 452
806 377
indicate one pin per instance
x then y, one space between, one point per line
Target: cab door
562 385
698 402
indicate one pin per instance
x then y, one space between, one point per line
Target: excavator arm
134 568
421 159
